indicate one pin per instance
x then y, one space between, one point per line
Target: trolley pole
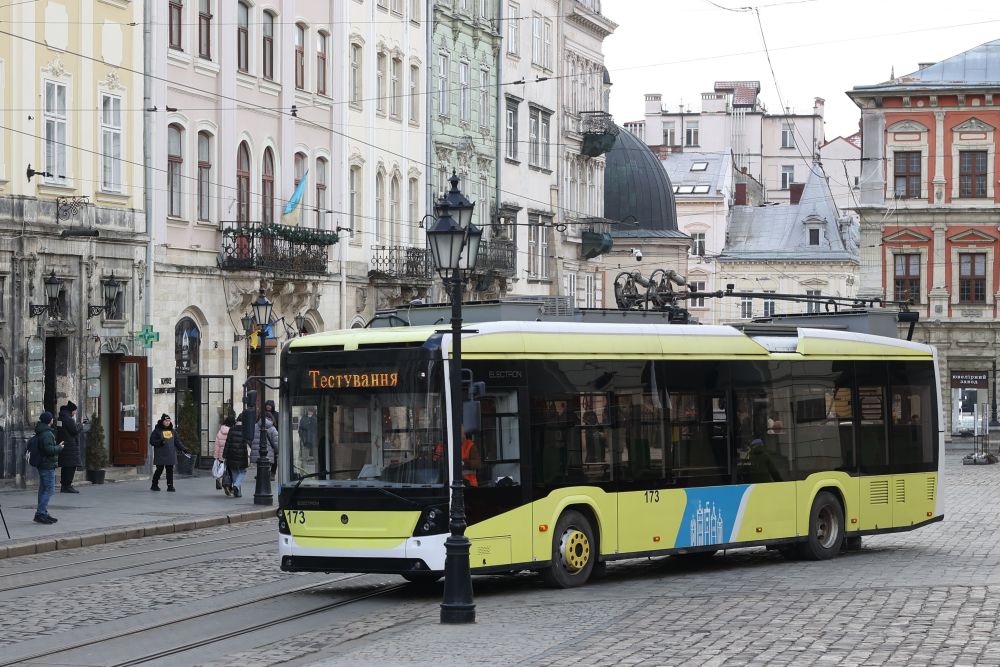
457 606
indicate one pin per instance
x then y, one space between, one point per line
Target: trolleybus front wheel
574 552
826 528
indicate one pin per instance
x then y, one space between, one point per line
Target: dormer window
699 166
814 237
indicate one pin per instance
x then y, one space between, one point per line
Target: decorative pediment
814 282
973 125
907 126
814 220
972 236
906 236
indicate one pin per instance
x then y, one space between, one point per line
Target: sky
818 48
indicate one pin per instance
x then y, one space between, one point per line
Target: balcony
498 256
256 246
599 132
401 263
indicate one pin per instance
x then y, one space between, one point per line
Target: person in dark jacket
166 443
49 450
68 433
308 431
235 455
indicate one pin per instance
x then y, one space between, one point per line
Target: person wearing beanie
68 433
166 443
49 450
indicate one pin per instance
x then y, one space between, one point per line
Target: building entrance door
129 411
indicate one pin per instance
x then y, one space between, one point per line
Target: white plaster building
250 97
777 149
841 158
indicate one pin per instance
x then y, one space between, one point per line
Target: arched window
204 176
175 166
382 237
267 29
300 167
322 40
243 183
300 56
394 209
321 166
243 37
267 188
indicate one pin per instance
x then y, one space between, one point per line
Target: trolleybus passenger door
873 449
499 521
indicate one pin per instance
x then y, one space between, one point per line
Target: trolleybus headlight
283 525
432 521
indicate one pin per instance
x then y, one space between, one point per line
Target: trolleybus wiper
394 495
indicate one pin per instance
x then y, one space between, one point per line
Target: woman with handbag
222 480
235 455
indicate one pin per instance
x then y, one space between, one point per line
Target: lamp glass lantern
446 240
111 289
247 322
262 309
52 285
470 251
456 204
300 324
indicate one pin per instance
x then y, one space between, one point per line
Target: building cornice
596 24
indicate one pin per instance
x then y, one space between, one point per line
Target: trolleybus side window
822 417
873 452
499 441
762 427
699 429
913 416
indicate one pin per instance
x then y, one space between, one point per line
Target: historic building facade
251 101
928 206
74 228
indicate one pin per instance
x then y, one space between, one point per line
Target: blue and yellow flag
293 212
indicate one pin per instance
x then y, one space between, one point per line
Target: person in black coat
166 443
68 433
235 455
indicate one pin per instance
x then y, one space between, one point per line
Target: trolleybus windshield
367 418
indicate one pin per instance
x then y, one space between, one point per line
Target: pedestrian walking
166 443
220 448
48 450
235 455
68 433
265 429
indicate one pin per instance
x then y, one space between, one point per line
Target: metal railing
269 247
402 262
597 122
497 256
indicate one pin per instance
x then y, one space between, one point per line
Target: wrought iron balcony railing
402 262
497 256
599 132
278 248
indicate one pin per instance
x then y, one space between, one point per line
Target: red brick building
930 210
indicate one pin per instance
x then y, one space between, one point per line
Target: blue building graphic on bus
707 525
711 515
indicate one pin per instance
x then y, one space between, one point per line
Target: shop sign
968 380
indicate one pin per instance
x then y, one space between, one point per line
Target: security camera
636 253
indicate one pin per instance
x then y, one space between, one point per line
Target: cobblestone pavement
928 597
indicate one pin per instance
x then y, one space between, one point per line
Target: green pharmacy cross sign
147 336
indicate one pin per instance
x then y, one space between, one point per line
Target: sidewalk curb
109 536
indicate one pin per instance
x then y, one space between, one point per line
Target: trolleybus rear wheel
826 528
574 551
421 577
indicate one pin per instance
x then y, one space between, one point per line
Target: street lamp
300 325
110 289
52 287
261 309
454 244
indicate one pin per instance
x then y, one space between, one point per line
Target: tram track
123 568
132 634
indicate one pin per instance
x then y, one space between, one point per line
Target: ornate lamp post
110 289
52 287
454 244
262 495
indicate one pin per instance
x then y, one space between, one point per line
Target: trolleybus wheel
574 552
421 577
826 528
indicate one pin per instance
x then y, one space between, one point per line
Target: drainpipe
147 170
498 152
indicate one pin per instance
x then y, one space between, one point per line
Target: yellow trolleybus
599 442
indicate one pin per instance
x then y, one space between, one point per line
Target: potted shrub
187 429
97 455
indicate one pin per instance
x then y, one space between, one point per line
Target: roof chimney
741 194
921 66
795 192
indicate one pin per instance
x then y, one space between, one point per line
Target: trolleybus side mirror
471 419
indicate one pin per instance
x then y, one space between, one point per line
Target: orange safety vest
467 446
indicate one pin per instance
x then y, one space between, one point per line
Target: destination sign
325 379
